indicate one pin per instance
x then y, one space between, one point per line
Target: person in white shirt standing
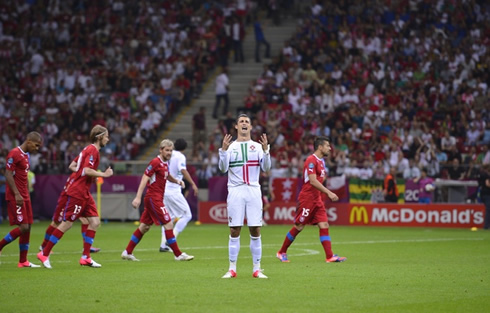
222 87
243 159
237 35
174 199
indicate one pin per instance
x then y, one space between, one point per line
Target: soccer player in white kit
243 159
174 200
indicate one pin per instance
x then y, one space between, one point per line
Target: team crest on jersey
20 218
252 148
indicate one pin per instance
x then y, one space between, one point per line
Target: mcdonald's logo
358 214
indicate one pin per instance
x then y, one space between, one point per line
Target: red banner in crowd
285 189
378 214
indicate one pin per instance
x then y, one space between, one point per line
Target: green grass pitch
387 270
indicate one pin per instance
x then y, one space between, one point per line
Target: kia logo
219 213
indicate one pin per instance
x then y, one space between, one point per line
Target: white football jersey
243 160
176 164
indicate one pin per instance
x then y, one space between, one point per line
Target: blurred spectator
485 139
447 142
412 172
390 189
455 170
199 127
221 90
237 35
259 41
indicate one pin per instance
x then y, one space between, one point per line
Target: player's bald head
34 136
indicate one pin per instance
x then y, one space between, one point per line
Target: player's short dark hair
320 140
243 115
34 136
180 144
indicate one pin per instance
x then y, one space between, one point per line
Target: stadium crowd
127 65
393 83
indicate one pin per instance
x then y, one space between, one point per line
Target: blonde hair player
79 201
155 212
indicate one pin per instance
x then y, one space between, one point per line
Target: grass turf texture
387 270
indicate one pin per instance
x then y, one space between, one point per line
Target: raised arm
224 156
265 164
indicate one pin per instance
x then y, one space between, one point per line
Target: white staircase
240 76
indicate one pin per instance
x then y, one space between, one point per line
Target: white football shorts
244 202
177 205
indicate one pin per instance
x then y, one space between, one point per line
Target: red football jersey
70 179
157 170
79 187
18 164
313 165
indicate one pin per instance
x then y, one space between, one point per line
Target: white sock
181 224
233 250
256 250
164 239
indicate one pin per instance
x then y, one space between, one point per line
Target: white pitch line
145 260
185 248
